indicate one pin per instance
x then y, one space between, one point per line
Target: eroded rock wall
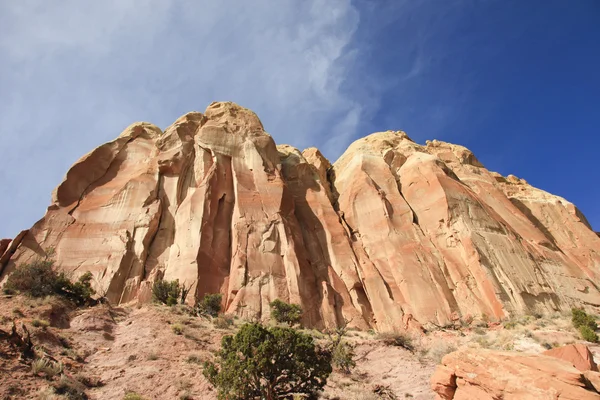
393 236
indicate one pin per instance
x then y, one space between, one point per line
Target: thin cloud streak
74 74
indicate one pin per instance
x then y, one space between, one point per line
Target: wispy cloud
74 73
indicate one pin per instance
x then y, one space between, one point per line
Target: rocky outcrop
579 355
4 243
392 236
478 374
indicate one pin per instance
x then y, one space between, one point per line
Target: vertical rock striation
393 236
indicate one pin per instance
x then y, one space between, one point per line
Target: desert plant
81 291
90 381
588 334
268 363
439 349
342 353
46 367
177 329
222 322
70 388
133 396
185 290
586 324
194 359
343 357
283 312
40 323
166 292
581 318
40 278
210 304
398 339
510 324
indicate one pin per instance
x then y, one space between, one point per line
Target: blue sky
516 81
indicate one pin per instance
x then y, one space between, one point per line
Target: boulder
479 374
577 354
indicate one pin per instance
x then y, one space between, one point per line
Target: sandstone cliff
393 235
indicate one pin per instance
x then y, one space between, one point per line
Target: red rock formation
394 235
4 245
477 374
577 354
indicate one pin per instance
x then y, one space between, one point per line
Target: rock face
478 374
577 354
392 236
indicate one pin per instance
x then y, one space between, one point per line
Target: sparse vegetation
510 324
586 324
210 305
89 380
439 350
177 329
283 312
399 339
194 359
343 357
47 367
581 318
588 334
70 388
222 322
342 353
133 396
269 363
166 292
40 278
40 323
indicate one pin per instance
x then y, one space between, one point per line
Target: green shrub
210 304
41 279
37 279
588 334
342 353
343 357
81 291
286 313
581 318
166 292
271 363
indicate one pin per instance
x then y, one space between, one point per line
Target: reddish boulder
476 374
577 354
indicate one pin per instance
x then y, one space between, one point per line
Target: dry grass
439 349
398 339
47 367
